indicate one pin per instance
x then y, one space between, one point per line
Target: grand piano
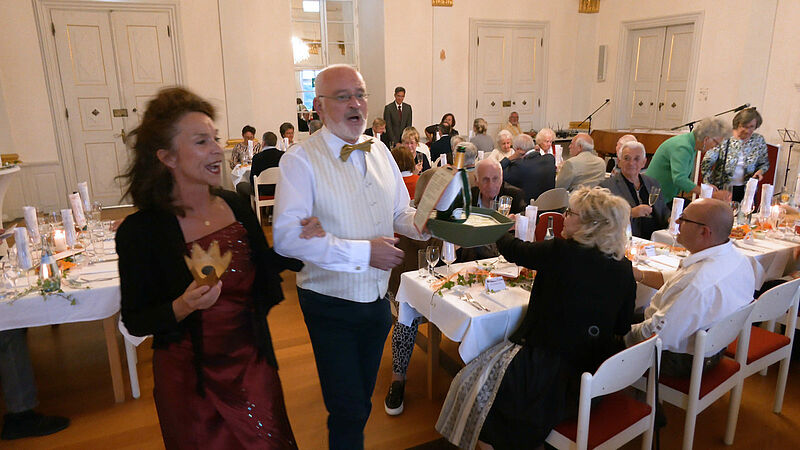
605 141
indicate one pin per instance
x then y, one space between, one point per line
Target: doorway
104 66
507 73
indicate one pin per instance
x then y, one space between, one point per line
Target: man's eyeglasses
569 212
684 219
344 98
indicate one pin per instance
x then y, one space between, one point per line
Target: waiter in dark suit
379 130
397 116
529 170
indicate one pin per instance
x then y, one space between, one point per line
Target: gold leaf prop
207 267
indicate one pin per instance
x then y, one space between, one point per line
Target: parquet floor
73 379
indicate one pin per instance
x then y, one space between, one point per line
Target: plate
467 235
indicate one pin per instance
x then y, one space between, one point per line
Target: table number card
495 284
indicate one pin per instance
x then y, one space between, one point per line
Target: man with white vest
352 184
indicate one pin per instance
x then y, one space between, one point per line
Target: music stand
790 137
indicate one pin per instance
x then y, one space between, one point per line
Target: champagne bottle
455 203
549 234
49 274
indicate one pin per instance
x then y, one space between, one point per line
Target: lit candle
60 240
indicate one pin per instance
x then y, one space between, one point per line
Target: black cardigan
153 273
576 288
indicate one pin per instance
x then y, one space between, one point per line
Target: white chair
267 177
131 342
552 200
696 393
766 347
441 161
617 418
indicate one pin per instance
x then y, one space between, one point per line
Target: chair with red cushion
541 225
696 393
617 418
267 177
767 347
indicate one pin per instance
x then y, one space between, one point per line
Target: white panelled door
660 59
106 84
509 76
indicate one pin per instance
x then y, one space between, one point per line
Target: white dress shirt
294 199
708 286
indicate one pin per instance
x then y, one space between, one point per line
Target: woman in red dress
215 372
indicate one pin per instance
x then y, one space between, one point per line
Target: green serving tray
468 235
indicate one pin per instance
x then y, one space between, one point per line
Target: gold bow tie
347 149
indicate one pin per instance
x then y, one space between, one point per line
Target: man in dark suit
491 187
397 116
268 157
442 145
529 170
379 129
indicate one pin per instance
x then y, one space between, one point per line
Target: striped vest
350 205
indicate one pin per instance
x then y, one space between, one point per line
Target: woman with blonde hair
513 394
503 146
480 139
421 152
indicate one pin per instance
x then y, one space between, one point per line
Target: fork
474 302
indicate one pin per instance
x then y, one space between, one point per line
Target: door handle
122 135
660 104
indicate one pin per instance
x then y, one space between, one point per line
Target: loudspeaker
602 62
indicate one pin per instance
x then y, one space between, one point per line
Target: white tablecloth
770 258
100 301
240 173
457 319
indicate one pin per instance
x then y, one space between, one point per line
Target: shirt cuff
360 252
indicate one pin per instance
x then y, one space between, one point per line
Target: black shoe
394 399
30 423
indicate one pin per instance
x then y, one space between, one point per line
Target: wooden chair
696 393
765 346
267 177
552 200
616 418
541 225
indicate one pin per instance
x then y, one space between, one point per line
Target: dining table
240 172
490 317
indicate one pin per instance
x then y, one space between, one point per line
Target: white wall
372 56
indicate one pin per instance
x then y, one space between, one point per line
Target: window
323 33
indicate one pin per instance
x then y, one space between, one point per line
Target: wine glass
96 212
653 197
448 254
504 205
432 255
747 208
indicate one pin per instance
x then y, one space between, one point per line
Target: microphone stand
691 124
589 117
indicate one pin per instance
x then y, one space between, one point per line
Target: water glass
422 263
96 212
448 254
432 256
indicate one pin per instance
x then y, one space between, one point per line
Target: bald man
490 187
584 167
711 283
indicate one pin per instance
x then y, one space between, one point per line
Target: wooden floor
73 379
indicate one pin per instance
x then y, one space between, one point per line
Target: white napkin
530 212
31 221
706 190
677 210
749 195
286 143
23 248
766 199
796 199
521 229
83 189
250 149
480 155
77 209
69 227
559 154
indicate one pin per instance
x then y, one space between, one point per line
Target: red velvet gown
243 405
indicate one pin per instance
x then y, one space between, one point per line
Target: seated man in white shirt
711 283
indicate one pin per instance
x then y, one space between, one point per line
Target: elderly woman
738 158
635 187
504 148
544 141
287 136
480 139
422 154
513 394
240 154
215 375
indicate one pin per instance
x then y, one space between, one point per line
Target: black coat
642 227
384 137
441 147
517 197
153 273
263 160
534 174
